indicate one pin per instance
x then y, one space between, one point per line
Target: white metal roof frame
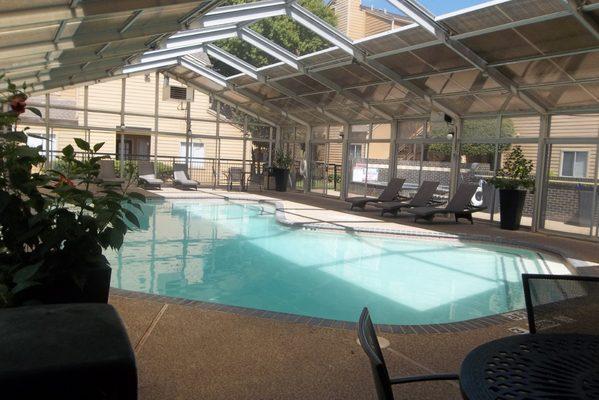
456 63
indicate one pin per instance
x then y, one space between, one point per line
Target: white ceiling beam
200 36
146 66
268 47
235 62
427 20
167 54
194 66
197 67
322 29
246 12
577 11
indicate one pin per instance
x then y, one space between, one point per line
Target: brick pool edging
450 327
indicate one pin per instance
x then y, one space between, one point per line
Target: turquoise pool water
238 254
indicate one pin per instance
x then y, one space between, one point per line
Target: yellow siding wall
375 24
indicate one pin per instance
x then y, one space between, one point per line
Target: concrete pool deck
189 352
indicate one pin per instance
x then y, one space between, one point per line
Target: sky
437 7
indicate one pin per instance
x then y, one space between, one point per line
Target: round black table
564 366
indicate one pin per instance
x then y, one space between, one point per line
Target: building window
197 153
574 164
355 151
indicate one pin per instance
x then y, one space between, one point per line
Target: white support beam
194 66
235 62
130 21
146 66
200 36
322 29
577 11
268 47
421 15
245 12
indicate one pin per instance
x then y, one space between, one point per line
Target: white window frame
194 145
561 163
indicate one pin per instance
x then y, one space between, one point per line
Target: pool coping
448 327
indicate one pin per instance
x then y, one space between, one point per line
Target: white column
122 152
345 166
541 172
393 150
156 111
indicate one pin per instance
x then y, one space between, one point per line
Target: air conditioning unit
177 93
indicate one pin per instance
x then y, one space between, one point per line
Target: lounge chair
147 178
459 205
107 175
422 198
181 180
389 194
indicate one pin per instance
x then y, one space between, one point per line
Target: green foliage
516 172
473 129
164 170
281 30
52 224
283 159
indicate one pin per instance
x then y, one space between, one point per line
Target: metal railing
208 172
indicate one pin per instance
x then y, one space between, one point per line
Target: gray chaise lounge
459 205
147 177
389 194
107 176
181 180
422 198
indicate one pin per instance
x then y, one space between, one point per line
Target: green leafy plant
516 172
54 224
282 159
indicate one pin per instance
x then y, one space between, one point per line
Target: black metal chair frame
527 293
382 381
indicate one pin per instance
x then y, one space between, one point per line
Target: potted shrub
54 225
281 165
513 180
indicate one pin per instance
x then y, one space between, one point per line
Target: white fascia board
205 72
129 69
165 54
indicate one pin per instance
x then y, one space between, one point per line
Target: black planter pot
64 289
511 205
281 177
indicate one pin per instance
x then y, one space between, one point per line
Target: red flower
17 103
64 181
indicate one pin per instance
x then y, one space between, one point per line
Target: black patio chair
390 193
422 198
562 303
382 381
